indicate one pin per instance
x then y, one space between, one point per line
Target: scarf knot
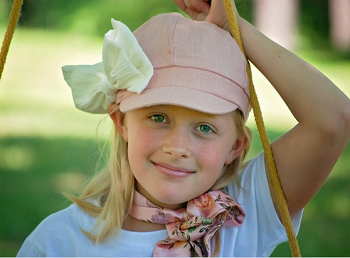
190 229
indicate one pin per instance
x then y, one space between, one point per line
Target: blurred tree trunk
278 20
340 24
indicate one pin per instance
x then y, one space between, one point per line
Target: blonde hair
114 186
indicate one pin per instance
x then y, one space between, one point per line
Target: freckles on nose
177 142
180 137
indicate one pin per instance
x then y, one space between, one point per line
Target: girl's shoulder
250 173
252 192
257 162
58 233
72 217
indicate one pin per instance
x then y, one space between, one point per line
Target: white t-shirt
60 234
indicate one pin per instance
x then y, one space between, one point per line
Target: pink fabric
198 65
191 228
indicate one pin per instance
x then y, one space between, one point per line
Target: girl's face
176 153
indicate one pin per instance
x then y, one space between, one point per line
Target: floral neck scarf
190 229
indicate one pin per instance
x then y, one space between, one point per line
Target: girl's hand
206 10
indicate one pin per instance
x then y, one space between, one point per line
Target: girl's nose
177 143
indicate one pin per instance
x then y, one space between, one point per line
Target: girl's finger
199 6
181 4
194 8
217 13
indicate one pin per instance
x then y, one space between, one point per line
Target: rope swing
15 12
274 181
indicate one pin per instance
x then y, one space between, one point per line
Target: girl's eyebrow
211 118
219 118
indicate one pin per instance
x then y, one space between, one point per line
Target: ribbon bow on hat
124 66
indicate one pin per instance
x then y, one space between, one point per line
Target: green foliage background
90 16
48 147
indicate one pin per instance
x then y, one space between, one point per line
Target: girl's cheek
145 140
210 154
216 154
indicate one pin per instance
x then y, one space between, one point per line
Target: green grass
48 147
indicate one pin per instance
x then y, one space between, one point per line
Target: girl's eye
158 118
205 128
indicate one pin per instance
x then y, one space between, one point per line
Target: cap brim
178 96
196 89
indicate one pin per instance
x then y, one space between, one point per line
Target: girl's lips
172 171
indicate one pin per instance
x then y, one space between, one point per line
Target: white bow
124 66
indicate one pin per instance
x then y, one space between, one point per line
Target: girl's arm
306 154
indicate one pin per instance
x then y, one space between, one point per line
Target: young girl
178 97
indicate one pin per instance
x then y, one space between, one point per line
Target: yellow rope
273 175
15 12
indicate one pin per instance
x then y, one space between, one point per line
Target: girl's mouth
172 171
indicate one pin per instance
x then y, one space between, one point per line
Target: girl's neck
145 194
132 224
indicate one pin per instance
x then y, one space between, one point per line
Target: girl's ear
237 149
118 119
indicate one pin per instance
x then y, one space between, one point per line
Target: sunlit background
47 147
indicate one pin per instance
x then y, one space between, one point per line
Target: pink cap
196 65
